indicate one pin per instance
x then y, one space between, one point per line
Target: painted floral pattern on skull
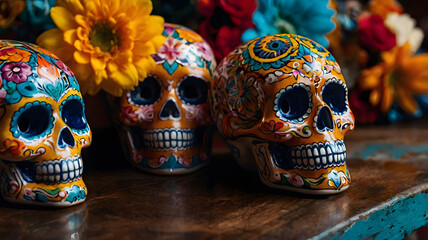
284 97
165 121
42 128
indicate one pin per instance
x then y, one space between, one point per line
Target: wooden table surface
388 197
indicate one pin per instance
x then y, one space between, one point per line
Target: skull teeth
169 139
64 170
319 155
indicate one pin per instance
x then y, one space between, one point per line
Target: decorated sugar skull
42 128
281 104
165 121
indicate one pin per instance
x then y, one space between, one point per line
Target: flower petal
153 25
416 64
144 65
70 36
63 18
145 7
371 78
113 88
374 97
100 77
82 71
112 66
143 49
98 64
53 40
387 99
127 78
158 41
81 57
418 86
77 6
406 101
82 21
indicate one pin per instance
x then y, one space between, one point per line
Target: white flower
405 30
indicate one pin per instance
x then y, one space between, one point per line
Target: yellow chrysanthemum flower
398 77
107 43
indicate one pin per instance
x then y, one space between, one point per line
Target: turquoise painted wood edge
393 219
387 151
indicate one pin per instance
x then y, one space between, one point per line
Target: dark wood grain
221 201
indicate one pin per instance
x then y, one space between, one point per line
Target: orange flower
14 55
384 7
107 43
46 70
398 77
13 147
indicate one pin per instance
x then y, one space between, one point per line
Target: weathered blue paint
393 220
387 151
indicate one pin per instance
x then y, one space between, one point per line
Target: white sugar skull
42 128
165 121
281 104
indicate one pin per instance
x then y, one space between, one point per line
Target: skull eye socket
73 113
147 92
193 90
32 121
293 103
335 94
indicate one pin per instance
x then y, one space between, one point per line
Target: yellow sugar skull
281 103
42 128
165 121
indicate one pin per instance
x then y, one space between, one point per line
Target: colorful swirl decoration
240 82
183 47
283 98
275 51
27 74
42 128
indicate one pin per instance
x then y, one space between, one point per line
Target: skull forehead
278 61
251 83
269 53
183 53
28 71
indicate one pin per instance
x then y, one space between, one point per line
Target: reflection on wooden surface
388 196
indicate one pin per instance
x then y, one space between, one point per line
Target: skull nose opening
325 120
66 138
170 110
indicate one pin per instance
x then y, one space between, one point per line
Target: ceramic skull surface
42 128
281 104
165 121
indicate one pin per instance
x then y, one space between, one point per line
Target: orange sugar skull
165 121
42 128
281 103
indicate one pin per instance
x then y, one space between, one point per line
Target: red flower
127 114
224 22
272 127
226 39
240 12
374 35
363 111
